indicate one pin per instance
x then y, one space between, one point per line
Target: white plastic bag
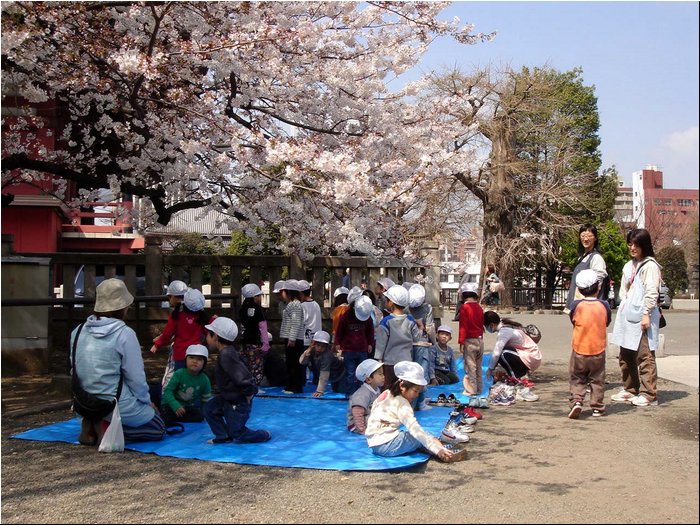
113 440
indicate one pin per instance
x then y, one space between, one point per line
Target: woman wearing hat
107 349
185 327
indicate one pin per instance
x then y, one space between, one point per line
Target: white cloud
684 142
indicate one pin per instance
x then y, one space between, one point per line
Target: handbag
496 287
88 405
662 319
113 439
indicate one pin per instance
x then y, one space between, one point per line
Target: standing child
471 339
312 312
590 317
188 390
422 313
254 340
443 365
324 364
355 336
371 375
185 327
396 334
292 333
393 409
227 413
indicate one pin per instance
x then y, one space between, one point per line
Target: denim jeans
421 355
227 421
404 443
351 360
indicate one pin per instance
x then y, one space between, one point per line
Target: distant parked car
665 298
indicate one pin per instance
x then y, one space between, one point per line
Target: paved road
680 361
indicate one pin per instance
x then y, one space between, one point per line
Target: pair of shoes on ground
525 394
477 402
453 433
623 396
258 436
577 407
502 399
446 401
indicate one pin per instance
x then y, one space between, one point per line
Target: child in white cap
443 364
471 339
228 412
370 373
188 390
185 327
355 336
590 317
392 410
324 364
422 313
254 343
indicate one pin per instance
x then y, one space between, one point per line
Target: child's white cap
586 278
366 368
444 328
224 327
279 286
322 337
250 290
354 293
194 300
176 288
469 288
398 295
304 285
363 308
416 295
386 282
411 372
340 290
199 350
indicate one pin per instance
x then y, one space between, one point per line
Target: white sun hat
416 295
411 372
363 308
354 293
200 350
340 290
224 327
366 368
194 300
250 290
398 295
176 288
322 337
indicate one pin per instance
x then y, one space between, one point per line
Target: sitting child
371 374
188 389
228 412
443 365
324 364
392 409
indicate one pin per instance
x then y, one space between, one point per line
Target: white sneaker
424 406
452 435
622 396
525 394
643 401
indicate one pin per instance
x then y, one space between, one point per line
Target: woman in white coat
636 328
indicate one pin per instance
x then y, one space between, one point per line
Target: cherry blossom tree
276 113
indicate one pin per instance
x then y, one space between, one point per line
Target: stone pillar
430 253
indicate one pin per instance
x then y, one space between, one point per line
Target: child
355 336
422 312
324 364
443 365
590 317
189 388
393 409
369 372
471 340
380 289
292 333
340 306
312 312
254 341
186 327
396 333
227 413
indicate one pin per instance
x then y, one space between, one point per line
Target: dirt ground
528 464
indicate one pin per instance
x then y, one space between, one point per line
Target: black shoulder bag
86 404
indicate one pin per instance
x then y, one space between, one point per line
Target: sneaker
441 400
452 435
216 441
598 413
575 410
465 427
643 401
459 452
526 382
512 380
525 394
483 402
424 406
452 401
466 419
622 396
472 413
503 400
287 392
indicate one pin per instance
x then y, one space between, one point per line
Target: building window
685 202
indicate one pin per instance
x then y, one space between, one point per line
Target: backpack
533 332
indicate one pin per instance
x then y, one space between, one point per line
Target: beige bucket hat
112 295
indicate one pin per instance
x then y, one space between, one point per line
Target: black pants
192 415
511 362
296 372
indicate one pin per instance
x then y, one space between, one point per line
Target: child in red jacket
471 340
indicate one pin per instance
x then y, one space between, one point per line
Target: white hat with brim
194 300
339 291
177 288
224 327
363 308
354 294
416 295
304 285
586 278
411 372
471 288
112 296
444 328
279 286
398 295
366 368
250 290
386 282
199 350
322 337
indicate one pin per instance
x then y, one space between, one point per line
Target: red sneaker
472 413
526 382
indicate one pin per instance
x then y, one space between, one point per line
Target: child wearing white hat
443 364
254 343
188 390
471 339
422 313
371 374
292 335
392 409
355 337
185 327
324 364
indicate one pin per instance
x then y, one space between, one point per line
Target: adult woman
589 257
489 297
636 328
514 350
106 350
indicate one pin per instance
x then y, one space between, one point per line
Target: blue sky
642 58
